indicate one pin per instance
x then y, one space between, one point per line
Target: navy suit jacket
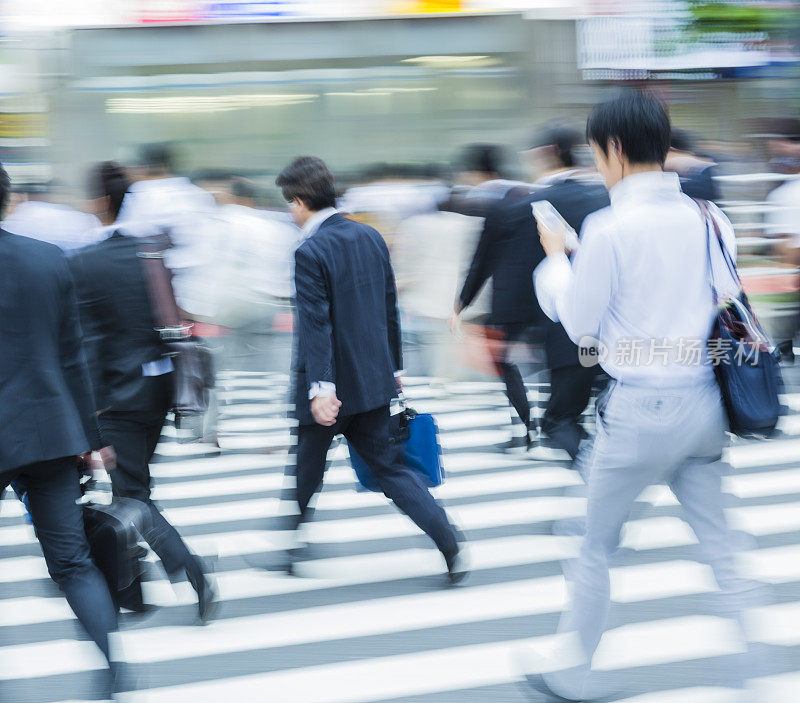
347 327
46 404
118 325
508 250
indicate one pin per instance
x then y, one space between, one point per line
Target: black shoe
207 601
786 351
457 569
516 444
207 596
122 679
537 683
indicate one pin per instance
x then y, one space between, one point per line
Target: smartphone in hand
545 213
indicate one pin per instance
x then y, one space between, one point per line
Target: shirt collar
312 223
559 177
637 185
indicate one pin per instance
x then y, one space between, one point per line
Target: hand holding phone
554 231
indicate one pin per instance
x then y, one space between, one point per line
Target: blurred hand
108 457
455 325
325 409
554 241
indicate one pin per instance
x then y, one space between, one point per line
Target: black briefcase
113 534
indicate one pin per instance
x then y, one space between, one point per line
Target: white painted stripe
774 565
260 394
456 487
15 569
777 689
473 418
651 533
790 424
766 519
274 410
754 454
699 694
225 463
778 625
256 424
451 669
761 484
228 463
52 658
377 616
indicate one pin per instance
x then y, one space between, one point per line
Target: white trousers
644 437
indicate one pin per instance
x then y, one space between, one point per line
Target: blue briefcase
423 455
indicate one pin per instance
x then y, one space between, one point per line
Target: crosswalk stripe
775 565
213 494
402 613
455 668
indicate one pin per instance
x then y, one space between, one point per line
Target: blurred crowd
232 242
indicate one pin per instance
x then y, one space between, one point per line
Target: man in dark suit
507 255
697 173
47 416
348 353
575 194
131 370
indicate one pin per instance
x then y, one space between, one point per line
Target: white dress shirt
639 283
784 215
187 213
67 228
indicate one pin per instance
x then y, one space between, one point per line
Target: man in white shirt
163 202
639 287
39 216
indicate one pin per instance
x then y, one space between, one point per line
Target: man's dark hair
109 180
637 121
483 158
681 140
5 189
157 157
565 139
243 188
308 179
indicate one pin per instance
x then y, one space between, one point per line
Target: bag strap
162 296
711 222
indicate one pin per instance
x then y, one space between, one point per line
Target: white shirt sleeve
323 389
578 294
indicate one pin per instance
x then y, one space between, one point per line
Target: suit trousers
53 488
570 390
375 436
134 436
647 436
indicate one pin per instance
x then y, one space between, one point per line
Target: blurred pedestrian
696 172
575 192
507 255
163 203
348 354
430 258
481 175
132 369
641 276
39 214
47 415
252 276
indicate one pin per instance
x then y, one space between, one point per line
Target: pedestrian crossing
368 618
